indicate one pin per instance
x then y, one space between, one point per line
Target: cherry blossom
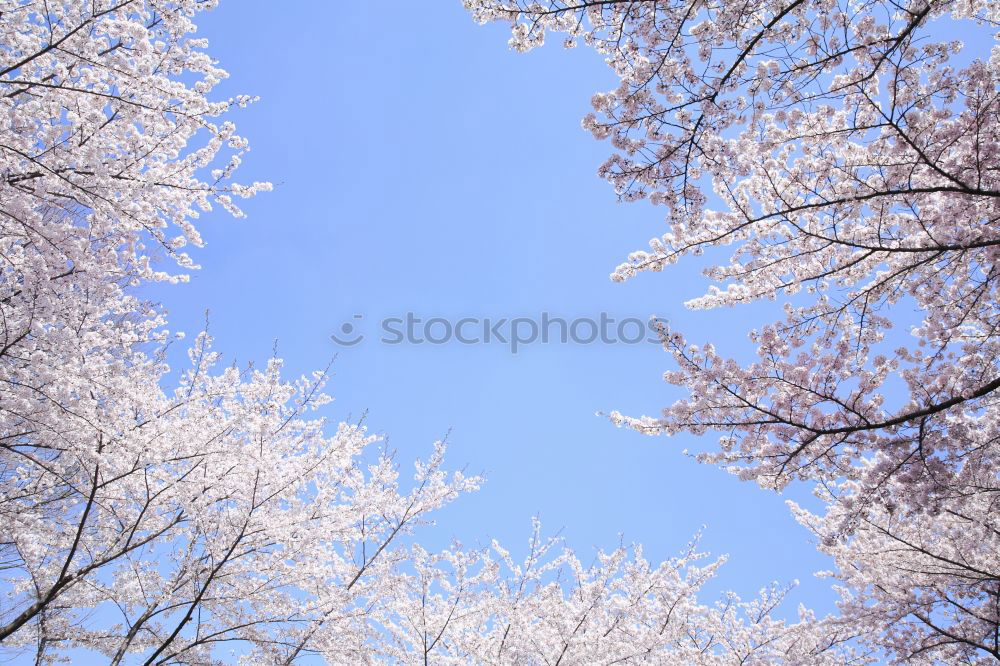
846 154
219 518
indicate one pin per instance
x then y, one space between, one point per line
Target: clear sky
420 166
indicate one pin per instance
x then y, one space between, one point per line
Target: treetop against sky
819 179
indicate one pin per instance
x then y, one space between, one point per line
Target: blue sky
420 166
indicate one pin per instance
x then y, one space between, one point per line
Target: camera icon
349 334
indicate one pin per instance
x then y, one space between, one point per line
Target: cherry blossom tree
167 524
135 520
218 517
924 578
485 607
849 155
